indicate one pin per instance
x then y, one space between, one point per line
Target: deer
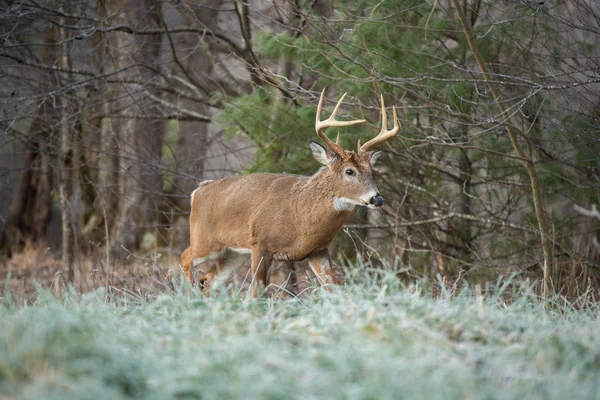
285 217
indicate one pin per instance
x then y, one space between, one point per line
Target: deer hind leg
261 263
320 264
292 278
223 270
205 280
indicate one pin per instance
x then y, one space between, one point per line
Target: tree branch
537 196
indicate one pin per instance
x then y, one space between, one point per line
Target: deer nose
376 200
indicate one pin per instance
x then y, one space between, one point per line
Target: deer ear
374 155
320 153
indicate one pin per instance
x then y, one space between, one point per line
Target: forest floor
373 338
38 266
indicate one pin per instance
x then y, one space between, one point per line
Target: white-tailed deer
285 217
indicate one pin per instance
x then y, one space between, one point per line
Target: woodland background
111 112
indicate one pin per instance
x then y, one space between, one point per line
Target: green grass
369 340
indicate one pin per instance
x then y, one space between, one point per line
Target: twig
588 213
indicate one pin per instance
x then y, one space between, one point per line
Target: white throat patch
344 204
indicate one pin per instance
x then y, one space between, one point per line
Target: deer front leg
186 264
261 262
320 264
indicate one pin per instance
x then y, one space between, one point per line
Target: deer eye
349 172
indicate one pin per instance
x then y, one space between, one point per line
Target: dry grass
37 265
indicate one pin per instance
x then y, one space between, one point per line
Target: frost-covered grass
373 340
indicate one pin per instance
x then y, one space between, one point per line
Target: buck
285 217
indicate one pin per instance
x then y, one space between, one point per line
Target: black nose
376 200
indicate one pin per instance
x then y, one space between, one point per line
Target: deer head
349 171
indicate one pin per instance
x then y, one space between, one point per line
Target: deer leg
186 263
261 262
192 257
292 278
205 280
320 264
220 272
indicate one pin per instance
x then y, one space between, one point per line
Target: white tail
285 217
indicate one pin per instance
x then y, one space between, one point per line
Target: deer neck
319 190
320 221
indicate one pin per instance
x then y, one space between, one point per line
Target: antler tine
331 122
384 134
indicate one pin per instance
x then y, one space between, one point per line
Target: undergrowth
373 338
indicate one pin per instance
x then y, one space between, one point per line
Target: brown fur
285 217
275 216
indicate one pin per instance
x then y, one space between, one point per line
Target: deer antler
329 122
384 134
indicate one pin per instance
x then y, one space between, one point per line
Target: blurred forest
111 112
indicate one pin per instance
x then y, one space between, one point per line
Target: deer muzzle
376 201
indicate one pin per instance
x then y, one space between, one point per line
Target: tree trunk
526 160
140 140
31 200
107 186
465 232
67 166
193 141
